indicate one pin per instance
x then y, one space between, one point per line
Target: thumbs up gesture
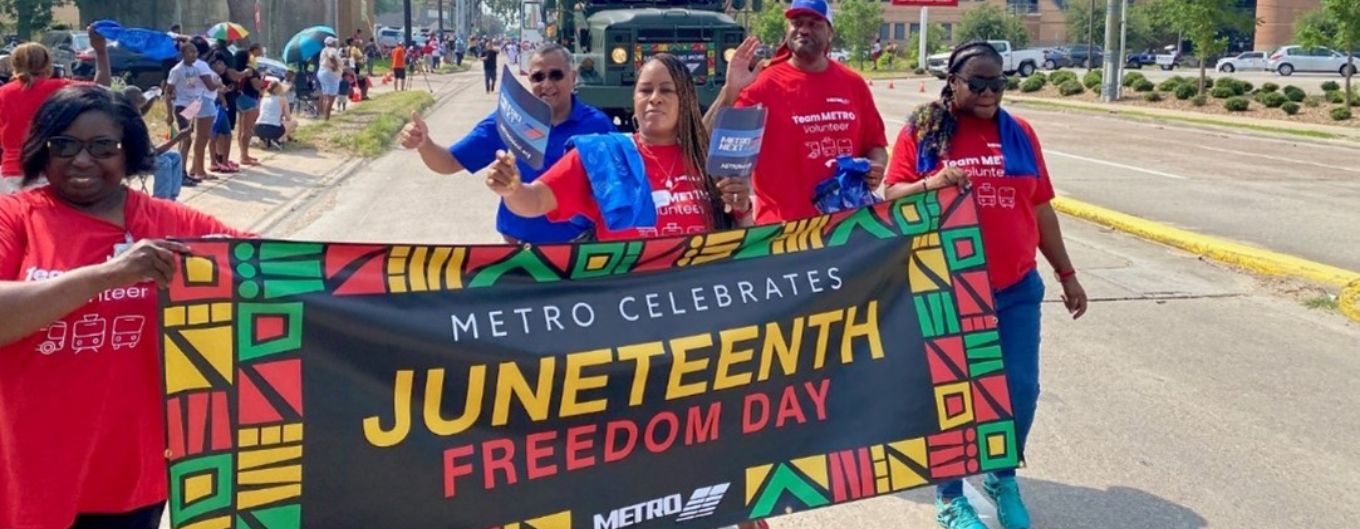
415 133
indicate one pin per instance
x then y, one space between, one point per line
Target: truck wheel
1050 65
1026 69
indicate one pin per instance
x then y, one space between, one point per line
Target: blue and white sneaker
1010 509
957 514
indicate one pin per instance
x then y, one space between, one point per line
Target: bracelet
739 215
1066 274
925 184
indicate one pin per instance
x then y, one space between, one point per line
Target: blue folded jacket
618 179
845 189
1016 149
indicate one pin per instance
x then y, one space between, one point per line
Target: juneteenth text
654 372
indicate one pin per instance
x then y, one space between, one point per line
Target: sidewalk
251 198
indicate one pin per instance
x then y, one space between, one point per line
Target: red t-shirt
820 116
1010 231
682 205
18 105
81 429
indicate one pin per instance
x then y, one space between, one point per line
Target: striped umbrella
228 31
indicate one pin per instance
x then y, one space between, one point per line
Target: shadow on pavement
1056 505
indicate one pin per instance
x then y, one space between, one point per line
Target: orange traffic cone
387 78
871 82
923 87
890 85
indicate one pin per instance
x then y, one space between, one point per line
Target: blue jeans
1017 312
169 176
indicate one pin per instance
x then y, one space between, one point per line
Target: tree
1337 25
1149 26
30 16
388 6
1204 22
769 24
857 23
935 43
1078 13
991 22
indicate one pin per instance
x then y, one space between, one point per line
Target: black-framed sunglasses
553 75
978 85
68 147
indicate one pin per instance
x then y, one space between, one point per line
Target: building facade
1045 19
1276 19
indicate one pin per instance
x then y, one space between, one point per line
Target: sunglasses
978 85
552 75
68 147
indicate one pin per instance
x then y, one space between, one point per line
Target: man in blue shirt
551 79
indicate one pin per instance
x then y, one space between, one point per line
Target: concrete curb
1224 251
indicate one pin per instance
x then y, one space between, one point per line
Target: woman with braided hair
650 184
966 139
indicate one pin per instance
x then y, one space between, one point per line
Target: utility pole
1091 35
440 3
1113 61
406 39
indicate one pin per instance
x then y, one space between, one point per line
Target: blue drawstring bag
845 189
618 179
222 124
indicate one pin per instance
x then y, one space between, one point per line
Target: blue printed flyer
736 142
523 121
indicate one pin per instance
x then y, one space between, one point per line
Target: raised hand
414 133
743 68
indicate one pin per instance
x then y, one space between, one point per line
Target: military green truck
611 38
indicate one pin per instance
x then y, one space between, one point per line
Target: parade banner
522 121
694 382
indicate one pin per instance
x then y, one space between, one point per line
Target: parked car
1247 61
1024 62
1289 59
840 56
938 64
65 45
133 67
271 67
1055 58
1138 60
1081 52
389 37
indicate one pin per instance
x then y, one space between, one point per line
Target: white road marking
1093 160
985 510
1117 165
1281 159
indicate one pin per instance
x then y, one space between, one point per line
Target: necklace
669 174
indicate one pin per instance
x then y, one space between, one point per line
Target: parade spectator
436 57
673 144
551 79
512 55
248 102
358 60
225 122
460 49
399 68
489 66
817 106
85 247
332 65
222 62
276 121
168 178
193 86
371 55
967 139
32 83
876 51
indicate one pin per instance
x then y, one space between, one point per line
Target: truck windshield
698 4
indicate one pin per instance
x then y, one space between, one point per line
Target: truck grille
700 57
676 34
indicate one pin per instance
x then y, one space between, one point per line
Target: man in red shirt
817 108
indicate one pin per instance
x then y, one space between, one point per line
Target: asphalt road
1294 196
1191 396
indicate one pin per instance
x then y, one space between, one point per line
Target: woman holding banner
81 432
966 139
651 184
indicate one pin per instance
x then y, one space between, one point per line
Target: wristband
1066 274
739 215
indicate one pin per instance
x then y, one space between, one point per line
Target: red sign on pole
926 3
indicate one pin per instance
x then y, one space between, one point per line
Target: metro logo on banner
926 3
700 381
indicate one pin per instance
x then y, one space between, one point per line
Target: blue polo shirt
478 150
